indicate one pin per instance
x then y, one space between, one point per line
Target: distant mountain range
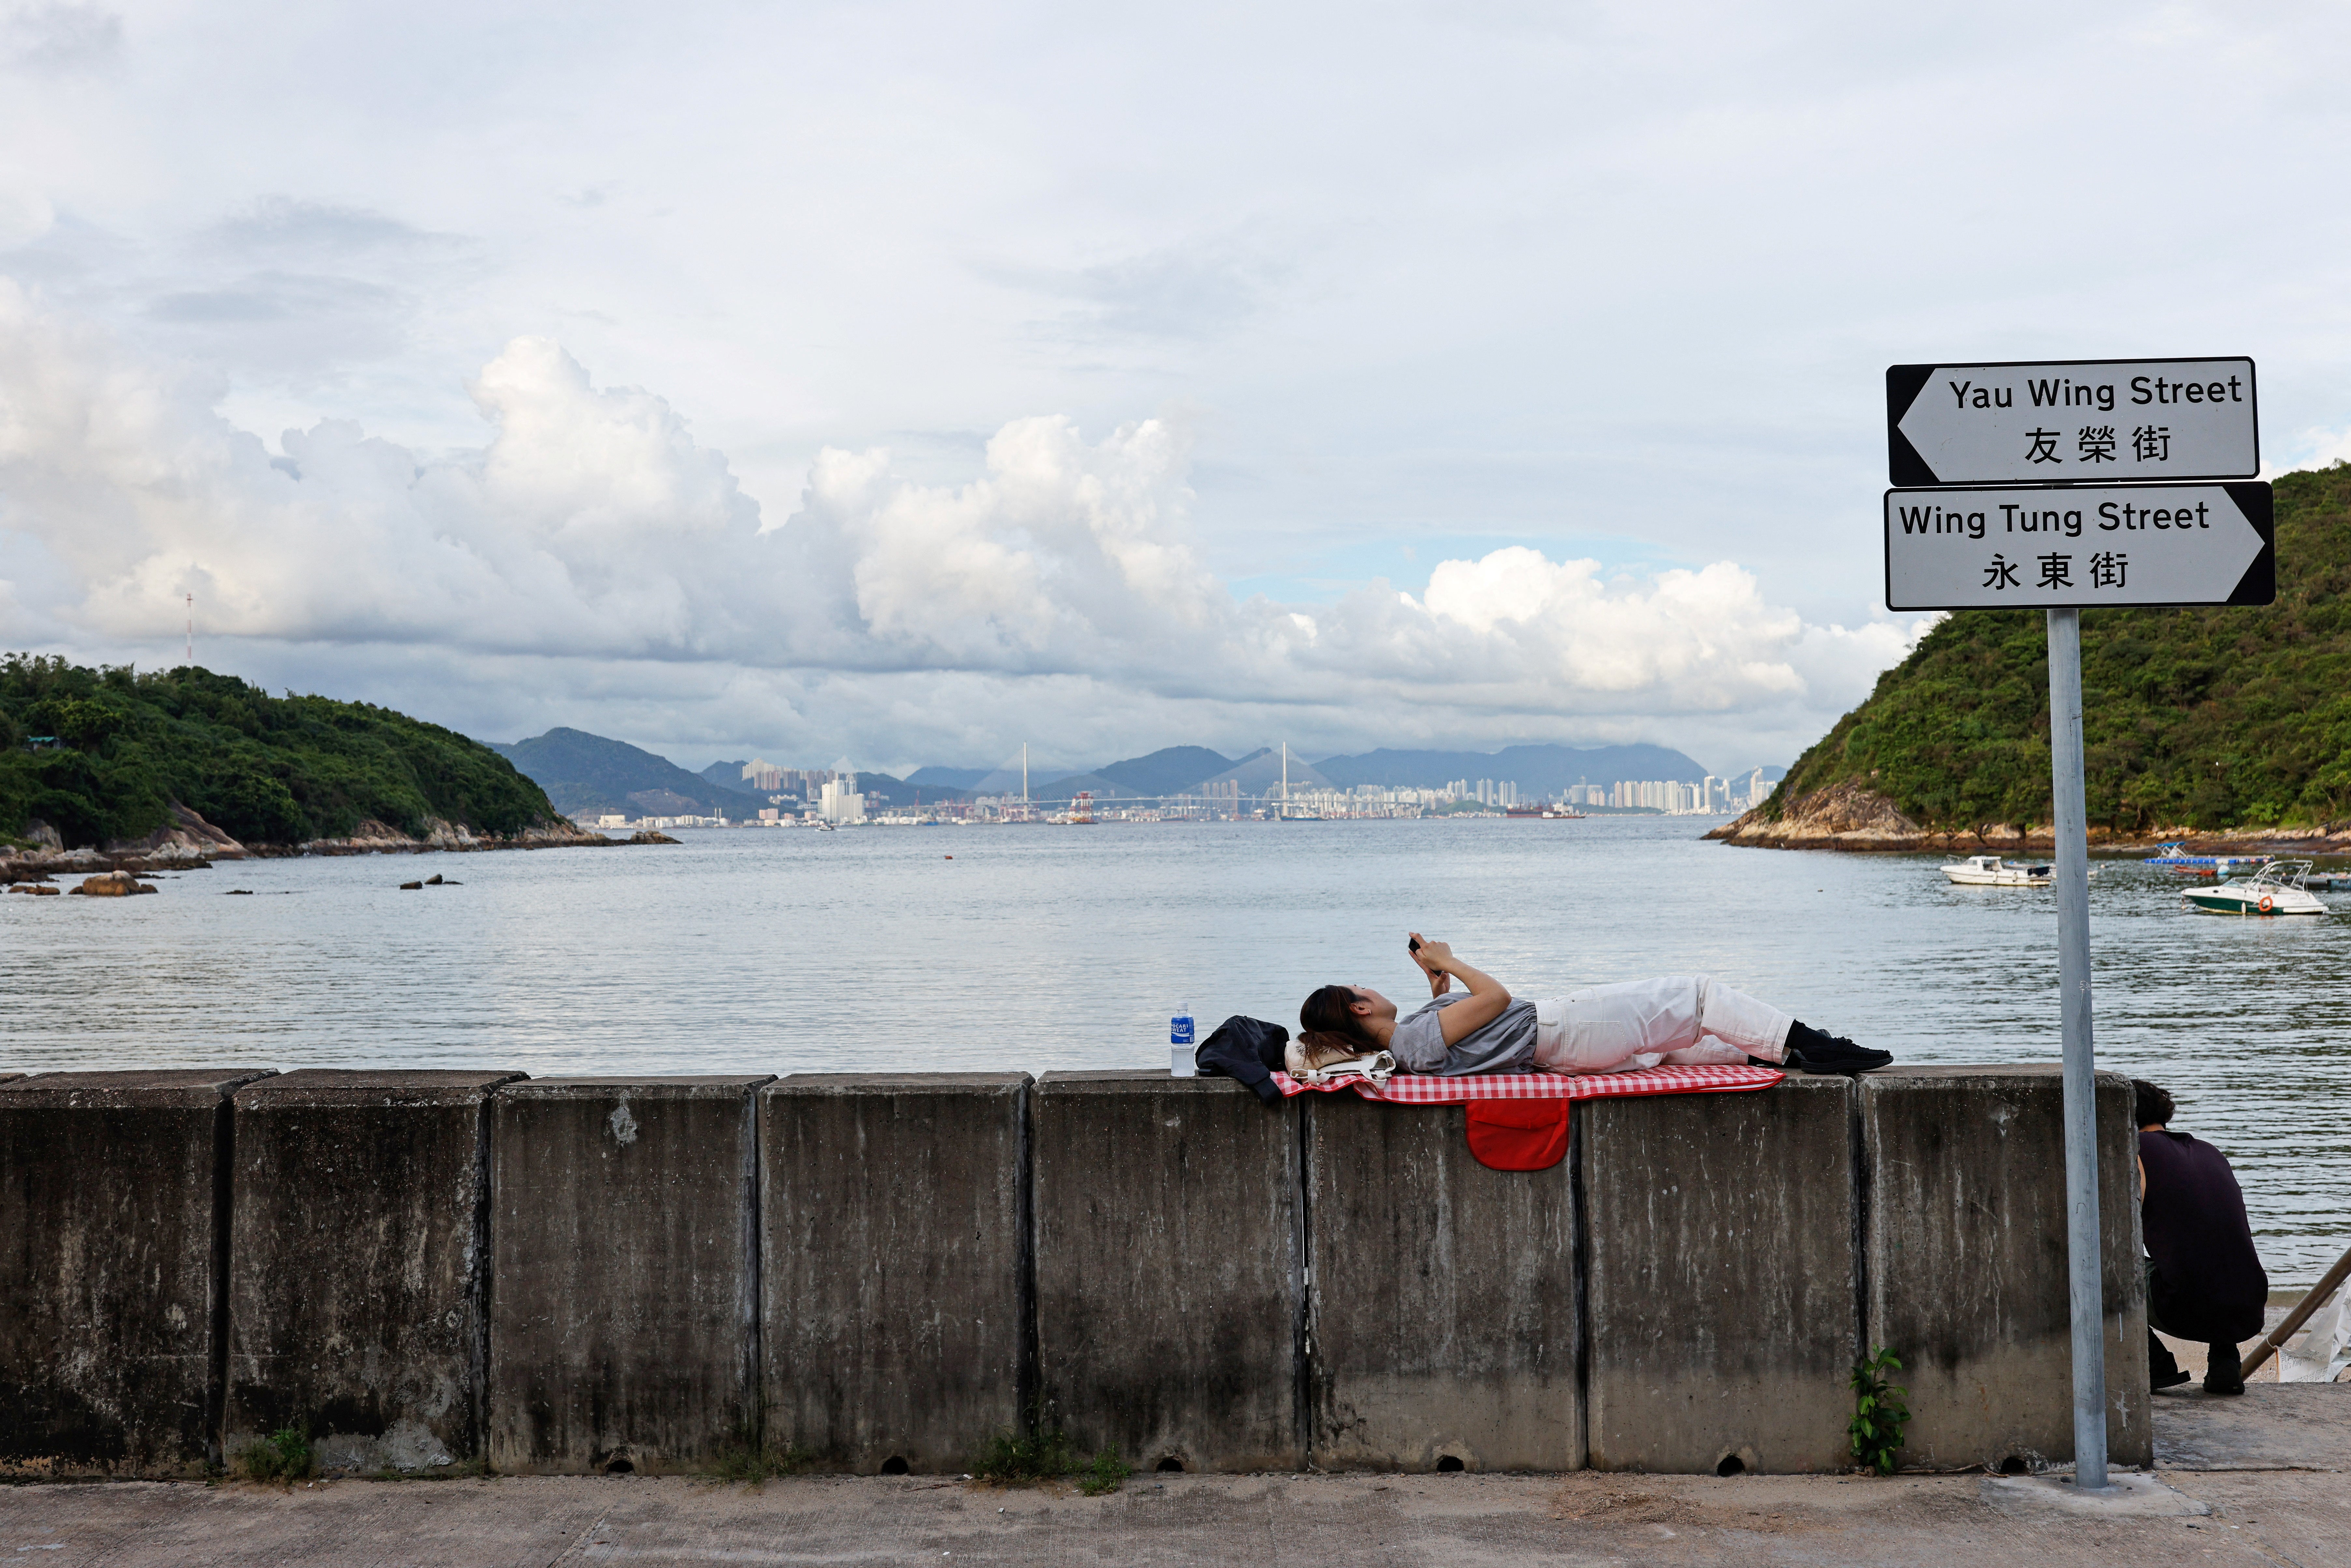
589 775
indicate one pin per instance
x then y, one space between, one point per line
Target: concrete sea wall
880 1273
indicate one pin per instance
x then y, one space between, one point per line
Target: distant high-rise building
839 801
763 777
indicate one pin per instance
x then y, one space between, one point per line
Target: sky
903 382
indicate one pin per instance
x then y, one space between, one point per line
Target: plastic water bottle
1181 1063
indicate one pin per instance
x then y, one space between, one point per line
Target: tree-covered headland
100 755
2198 719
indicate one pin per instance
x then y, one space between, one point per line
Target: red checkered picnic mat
1426 1088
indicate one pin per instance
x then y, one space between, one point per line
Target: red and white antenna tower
192 628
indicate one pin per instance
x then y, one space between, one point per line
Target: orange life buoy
2266 903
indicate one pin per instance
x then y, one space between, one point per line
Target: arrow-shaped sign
2018 547
2067 421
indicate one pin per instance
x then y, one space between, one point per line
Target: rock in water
409 886
112 884
647 836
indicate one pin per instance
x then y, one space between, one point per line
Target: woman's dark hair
1328 1011
2153 1108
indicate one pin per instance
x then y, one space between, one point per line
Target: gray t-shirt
1506 1045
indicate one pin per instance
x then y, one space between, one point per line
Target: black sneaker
2223 1371
2172 1379
1840 1055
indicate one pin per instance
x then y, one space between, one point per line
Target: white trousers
1686 1021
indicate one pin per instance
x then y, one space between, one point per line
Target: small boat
1990 870
2280 887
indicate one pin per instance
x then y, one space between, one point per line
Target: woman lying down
1681 1020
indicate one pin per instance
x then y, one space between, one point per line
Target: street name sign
2016 547
2069 421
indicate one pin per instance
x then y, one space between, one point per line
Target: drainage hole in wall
1447 1464
1171 1463
893 1466
1732 1465
2014 1465
620 1468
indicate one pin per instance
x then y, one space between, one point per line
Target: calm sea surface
1039 947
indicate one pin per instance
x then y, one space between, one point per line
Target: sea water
935 949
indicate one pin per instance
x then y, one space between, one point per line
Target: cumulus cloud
593 532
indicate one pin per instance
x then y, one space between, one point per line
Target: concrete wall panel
1722 1278
1967 1262
356 1271
111 1228
624 1273
1168 1240
895 1213
1444 1312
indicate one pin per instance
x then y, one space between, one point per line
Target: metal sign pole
2073 879
2012 495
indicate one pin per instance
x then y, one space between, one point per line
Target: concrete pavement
2223 1454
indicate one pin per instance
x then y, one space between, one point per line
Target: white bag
2315 1354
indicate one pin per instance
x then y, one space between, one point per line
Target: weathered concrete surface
624 1273
1444 1312
894 1226
1298 1521
1967 1262
2270 1427
1168 1268
1721 1278
358 1237
110 1228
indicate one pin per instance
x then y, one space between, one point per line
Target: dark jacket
2209 1283
1246 1048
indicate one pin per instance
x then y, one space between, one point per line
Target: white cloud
593 534
2318 448
57 40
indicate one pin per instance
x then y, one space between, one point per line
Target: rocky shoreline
188 842
1852 816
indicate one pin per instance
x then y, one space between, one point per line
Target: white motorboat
2278 888
1990 870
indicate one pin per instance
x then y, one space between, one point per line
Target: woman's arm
1482 1006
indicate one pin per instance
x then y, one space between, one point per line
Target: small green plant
1106 1474
1012 1457
283 1456
1878 1412
744 1458
1017 1459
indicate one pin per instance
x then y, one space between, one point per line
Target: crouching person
2205 1283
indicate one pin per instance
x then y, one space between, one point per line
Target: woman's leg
1684 1020
1733 1016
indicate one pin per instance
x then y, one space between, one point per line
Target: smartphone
1413 946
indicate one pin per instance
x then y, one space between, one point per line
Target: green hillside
2192 718
263 769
